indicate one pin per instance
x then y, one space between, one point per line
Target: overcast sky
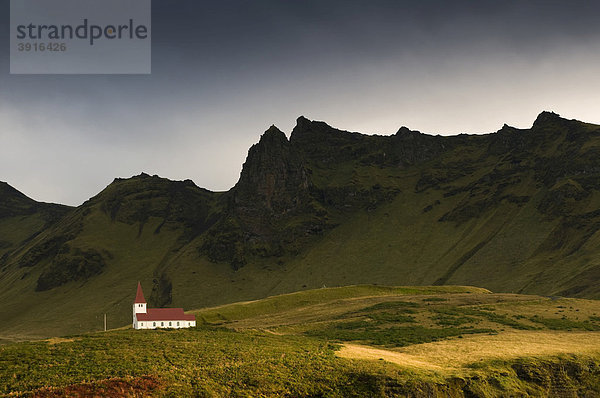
224 71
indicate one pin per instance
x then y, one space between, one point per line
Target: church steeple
139 304
139 296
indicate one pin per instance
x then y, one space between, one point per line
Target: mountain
22 219
517 210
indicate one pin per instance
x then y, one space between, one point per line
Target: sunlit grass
353 341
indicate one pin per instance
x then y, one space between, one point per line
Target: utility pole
105 321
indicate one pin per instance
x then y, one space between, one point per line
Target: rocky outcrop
273 181
270 210
71 265
321 144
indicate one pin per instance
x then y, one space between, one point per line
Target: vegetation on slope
22 219
397 317
266 348
513 211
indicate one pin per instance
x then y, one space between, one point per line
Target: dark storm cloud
222 72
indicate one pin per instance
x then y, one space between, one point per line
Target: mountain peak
302 122
272 136
273 133
13 202
8 192
545 118
507 129
313 131
272 175
405 132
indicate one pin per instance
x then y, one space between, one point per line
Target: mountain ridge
517 210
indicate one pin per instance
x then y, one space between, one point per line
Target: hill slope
355 341
513 211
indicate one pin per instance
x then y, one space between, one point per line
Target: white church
153 318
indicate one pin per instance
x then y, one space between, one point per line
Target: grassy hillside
22 219
336 342
55 286
516 211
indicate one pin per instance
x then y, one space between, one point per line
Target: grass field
338 342
458 355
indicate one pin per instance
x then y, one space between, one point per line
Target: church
153 318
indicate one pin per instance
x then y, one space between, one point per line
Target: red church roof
165 314
139 296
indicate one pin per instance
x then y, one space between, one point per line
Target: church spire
139 296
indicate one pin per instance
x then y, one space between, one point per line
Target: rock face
548 120
322 144
273 181
272 193
275 208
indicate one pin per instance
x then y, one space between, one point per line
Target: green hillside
355 341
516 211
22 218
